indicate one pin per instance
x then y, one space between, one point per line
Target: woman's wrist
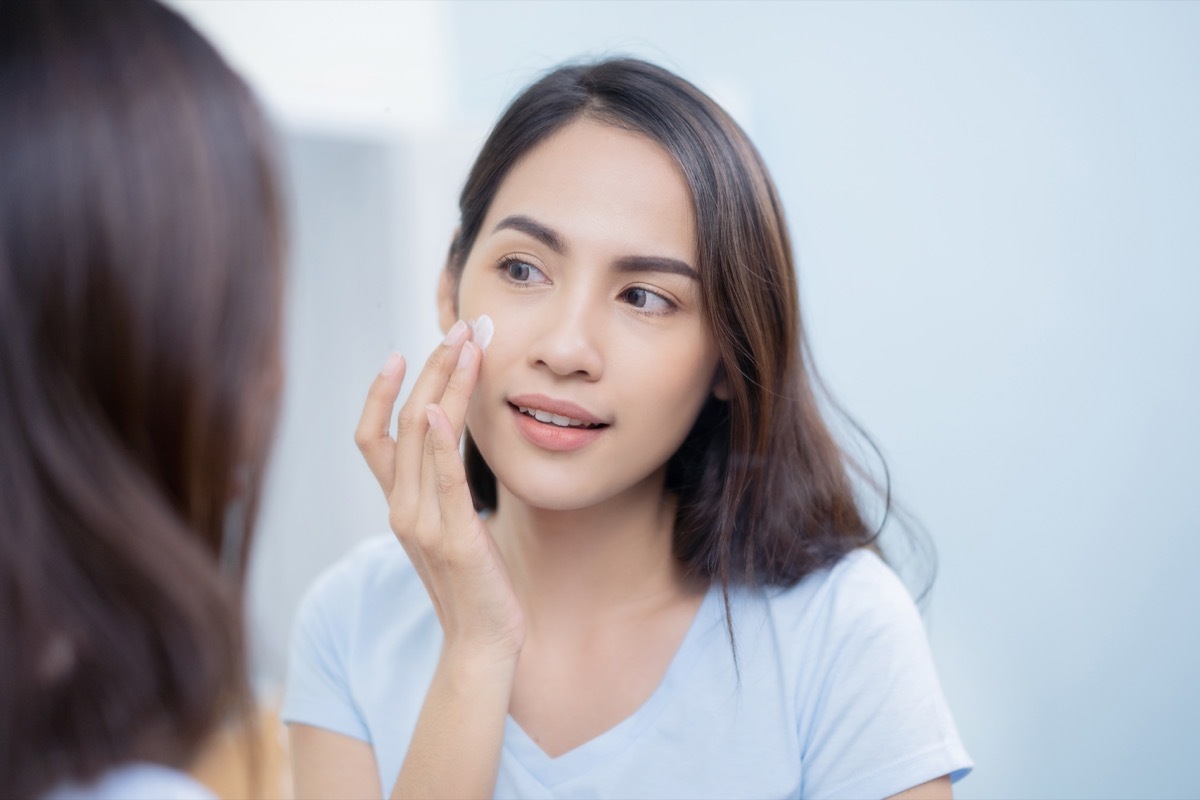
472 664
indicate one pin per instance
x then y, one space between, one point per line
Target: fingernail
464 355
429 414
456 334
393 364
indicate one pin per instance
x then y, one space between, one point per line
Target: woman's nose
569 340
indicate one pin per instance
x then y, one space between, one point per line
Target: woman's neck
599 563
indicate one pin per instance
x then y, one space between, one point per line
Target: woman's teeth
555 419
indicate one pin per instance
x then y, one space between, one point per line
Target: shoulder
374 558
858 594
135 782
370 590
870 713
834 676
853 621
363 617
844 633
375 569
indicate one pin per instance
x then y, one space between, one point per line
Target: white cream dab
482 330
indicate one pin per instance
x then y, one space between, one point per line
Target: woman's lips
561 408
557 425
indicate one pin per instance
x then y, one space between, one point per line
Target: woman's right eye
520 271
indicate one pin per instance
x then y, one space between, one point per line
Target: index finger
412 423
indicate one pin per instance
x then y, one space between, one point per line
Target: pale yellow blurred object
225 766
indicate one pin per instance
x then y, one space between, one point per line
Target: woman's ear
447 299
447 295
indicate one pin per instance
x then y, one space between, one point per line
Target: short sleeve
318 685
135 781
877 722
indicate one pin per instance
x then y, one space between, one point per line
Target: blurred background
996 212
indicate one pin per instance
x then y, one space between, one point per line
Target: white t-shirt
139 781
834 694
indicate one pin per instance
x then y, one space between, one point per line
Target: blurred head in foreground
140 292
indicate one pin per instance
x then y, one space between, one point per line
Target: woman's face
586 263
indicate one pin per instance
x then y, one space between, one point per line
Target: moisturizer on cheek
482 329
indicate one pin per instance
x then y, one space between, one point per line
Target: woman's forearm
455 749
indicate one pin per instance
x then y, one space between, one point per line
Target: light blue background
996 210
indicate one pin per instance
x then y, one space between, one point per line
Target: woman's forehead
599 185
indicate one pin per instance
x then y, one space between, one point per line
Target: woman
140 283
651 577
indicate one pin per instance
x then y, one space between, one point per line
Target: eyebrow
531 227
656 264
550 238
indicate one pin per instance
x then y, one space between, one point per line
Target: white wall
349 65
996 209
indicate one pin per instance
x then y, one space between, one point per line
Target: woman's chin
555 495
577 490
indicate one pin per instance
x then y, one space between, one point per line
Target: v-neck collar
551 771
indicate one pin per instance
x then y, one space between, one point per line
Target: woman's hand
455 747
422 474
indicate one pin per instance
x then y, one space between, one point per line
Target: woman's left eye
646 300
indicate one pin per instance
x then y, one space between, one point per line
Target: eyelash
659 313
506 263
509 261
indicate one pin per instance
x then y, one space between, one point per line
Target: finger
429 513
412 422
462 384
450 475
371 435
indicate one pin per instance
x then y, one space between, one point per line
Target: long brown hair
140 301
765 493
